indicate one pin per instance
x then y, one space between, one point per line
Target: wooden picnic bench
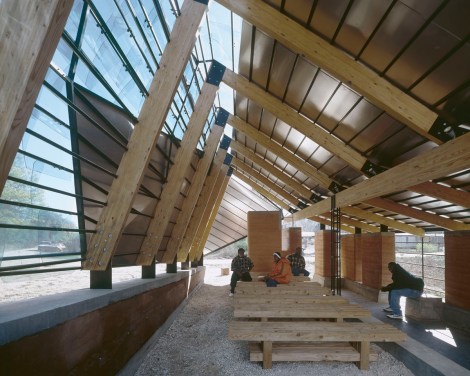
282 290
336 312
300 335
289 299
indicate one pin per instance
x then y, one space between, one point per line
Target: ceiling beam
277 173
295 161
336 62
422 215
130 173
30 32
451 157
292 118
441 192
327 222
383 220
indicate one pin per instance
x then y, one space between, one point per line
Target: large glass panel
73 21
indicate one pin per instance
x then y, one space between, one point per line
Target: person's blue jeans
395 295
296 272
271 283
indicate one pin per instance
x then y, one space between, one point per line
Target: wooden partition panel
351 259
291 239
322 253
264 238
377 251
457 264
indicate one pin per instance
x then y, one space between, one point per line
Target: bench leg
267 354
364 354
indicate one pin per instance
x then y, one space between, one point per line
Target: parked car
47 246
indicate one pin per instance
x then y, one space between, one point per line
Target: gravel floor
196 343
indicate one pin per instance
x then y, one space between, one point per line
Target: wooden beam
239 165
171 189
441 192
383 220
218 167
355 223
327 222
213 214
451 157
333 60
191 199
292 159
130 173
209 205
286 179
418 214
258 188
291 117
29 34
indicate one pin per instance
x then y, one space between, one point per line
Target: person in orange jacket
281 272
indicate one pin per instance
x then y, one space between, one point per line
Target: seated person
297 263
404 284
241 266
281 272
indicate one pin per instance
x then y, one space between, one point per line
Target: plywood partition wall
377 251
264 238
457 264
322 253
291 239
351 259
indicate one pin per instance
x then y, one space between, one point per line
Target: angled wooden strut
342 66
29 34
203 199
196 185
124 188
451 157
217 186
171 189
213 214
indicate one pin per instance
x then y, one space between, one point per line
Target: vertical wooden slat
130 173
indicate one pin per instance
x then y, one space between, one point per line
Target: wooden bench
257 275
283 290
291 283
289 299
359 334
336 312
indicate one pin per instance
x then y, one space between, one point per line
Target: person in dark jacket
241 266
404 284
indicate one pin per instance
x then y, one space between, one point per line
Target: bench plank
289 299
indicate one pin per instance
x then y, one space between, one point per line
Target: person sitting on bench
241 266
404 284
297 263
281 272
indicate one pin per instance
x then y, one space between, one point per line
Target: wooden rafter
262 191
441 192
239 165
171 189
124 188
291 117
29 34
383 220
292 159
287 180
325 221
418 214
446 159
191 199
342 66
